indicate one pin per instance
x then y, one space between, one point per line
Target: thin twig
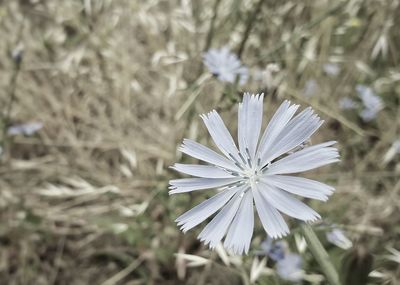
124 273
17 59
329 113
251 19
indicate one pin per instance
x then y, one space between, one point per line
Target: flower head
372 102
347 103
225 65
289 268
331 69
27 129
254 172
337 237
273 249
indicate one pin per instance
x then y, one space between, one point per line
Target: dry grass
118 84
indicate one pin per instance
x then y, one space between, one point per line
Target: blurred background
96 96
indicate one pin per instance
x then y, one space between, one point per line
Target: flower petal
193 184
278 122
213 233
272 221
239 235
287 204
300 186
295 133
205 171
204 210
249 125
305 159
220 134
203 153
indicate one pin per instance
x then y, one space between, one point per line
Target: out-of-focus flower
17 53
331 69
225 65
371 102
347 103
392 151
273 249
254 172
310 88
289 268
27 129
337 237
268 77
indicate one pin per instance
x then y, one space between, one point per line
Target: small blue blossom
289 268
347 103
225 65
332 69
273 249
26 129
372 103
337 237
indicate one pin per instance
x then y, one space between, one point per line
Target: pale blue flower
347 103
254 173
331 69
310 88
26 129
289 268
338 238
371 102
225 65
273 249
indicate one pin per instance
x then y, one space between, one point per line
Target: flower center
252 176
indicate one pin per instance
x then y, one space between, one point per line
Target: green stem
320 254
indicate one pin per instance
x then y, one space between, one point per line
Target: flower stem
320 254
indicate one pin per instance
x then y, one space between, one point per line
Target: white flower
254 172
372 103
225 65
289 268
331 69
337 237
347 103
27 129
